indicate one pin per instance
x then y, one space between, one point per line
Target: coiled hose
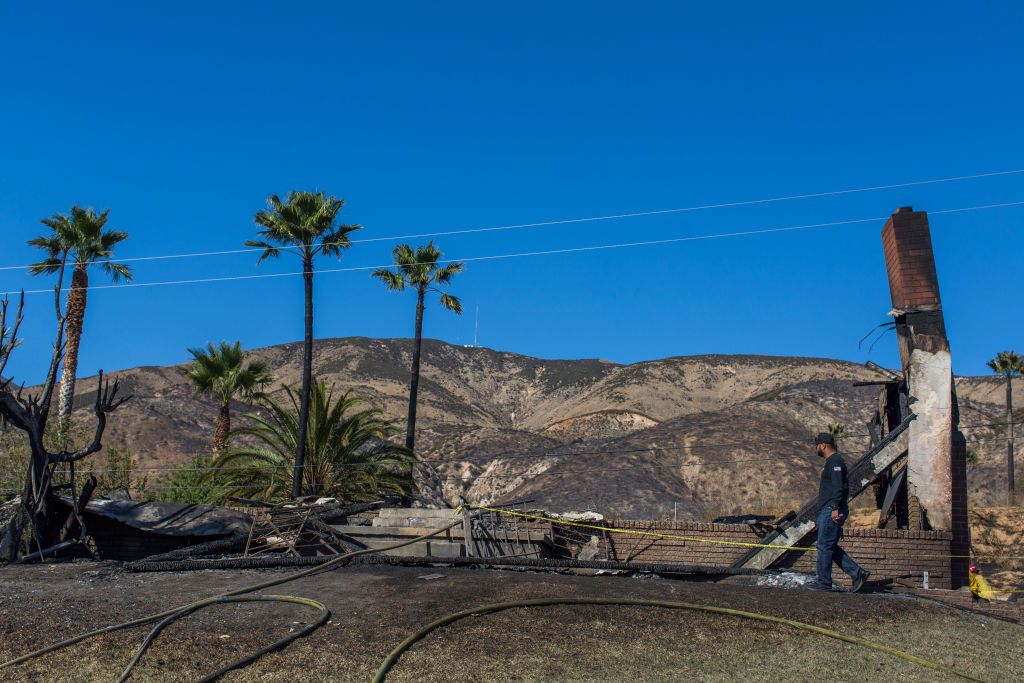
395 654
325 614
177 612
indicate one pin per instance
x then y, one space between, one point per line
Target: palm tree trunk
414 381
75 322
1011 494
307 379
222 428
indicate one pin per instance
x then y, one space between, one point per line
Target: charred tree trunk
36 523
414 380
307 378
222 428
1011 493
75 324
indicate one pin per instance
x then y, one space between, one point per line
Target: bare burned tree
36 528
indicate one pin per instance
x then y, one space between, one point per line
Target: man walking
833 493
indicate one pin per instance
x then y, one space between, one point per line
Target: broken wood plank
467 534
860 476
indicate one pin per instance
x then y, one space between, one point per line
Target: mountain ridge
483 405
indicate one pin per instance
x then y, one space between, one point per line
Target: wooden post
467 533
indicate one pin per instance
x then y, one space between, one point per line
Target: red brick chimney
936 458
909 259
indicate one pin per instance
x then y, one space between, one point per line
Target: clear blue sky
183 117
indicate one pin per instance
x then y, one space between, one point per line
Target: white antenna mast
476 325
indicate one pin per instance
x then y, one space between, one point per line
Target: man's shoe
861 579
817 586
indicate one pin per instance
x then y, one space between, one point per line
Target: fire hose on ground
395 654
167 617
233 596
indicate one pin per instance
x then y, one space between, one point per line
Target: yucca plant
1010 365
79 240
304 224
221 372
419 270
349 454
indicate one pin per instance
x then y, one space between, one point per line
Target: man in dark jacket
832 502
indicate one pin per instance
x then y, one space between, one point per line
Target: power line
495 257
588 219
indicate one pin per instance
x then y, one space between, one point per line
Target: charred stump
36 526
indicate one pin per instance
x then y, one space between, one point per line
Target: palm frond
348 453
443 276
117 271
395 282
452 303
80 237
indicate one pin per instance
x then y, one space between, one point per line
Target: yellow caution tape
638 532
694 539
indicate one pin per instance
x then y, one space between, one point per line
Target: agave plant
349 454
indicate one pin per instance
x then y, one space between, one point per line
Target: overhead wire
586 219
526 254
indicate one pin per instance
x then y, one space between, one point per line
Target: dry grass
376 607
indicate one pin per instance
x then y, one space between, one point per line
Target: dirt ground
375 607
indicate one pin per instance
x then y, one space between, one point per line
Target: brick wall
888 554
961 543
909 260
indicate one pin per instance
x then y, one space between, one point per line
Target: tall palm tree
221 372
79 240
420 270
1010 365
348 454
304 225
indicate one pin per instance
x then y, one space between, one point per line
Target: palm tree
79 240
1010 365
420 270
221 372
348 454
304 225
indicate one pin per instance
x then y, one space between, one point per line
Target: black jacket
835 487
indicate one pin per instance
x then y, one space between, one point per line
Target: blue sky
436 116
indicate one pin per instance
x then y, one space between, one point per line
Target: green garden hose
183 610
393 657
325 614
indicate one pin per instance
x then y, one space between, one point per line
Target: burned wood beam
9 335
894 376
74 525
861 474
106 402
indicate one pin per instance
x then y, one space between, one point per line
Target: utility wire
589 219
495 257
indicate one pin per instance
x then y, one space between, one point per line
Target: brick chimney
936 458
913 282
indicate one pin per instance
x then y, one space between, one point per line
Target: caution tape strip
676 537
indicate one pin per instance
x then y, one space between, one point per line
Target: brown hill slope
630 439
